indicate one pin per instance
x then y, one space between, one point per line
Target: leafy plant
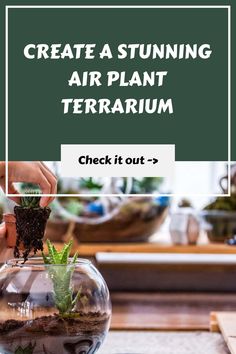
144 185
25 186
61 276
74 207
223 203
30 202
148 184
90 183
27 350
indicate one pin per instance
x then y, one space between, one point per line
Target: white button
117 160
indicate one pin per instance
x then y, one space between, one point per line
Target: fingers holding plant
3 243
51 184
29 172
2 231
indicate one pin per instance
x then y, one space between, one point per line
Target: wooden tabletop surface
163 311
158 243
167 311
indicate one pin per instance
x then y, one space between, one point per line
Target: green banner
117 75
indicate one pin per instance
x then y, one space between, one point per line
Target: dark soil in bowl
53 334
30 227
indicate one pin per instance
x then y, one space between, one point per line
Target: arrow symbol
154 160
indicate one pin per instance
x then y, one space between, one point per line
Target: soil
30 227
82 333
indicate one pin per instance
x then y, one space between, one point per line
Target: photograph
117 177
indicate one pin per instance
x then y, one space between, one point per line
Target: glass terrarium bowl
52 309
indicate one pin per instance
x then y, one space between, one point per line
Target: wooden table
167 311
158 243
163 311
158 323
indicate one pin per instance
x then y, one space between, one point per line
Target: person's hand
2 241
29 172
5 252
2 231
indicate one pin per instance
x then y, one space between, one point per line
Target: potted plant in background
52 305
220 214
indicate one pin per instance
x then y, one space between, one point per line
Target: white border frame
228 7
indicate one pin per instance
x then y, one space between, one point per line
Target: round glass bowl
52 309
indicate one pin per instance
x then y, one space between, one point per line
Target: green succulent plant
223 203
90 183
27 350
61 276
30 202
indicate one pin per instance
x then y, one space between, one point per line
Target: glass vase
52 309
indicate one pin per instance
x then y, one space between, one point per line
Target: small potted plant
52 305
31 222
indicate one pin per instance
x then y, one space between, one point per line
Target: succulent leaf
45 259
61 277
75 258
30 202
27 350
66 253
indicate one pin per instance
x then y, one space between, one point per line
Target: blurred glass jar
184 227
52 309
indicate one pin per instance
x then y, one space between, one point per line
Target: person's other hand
5 252
29 172
3 242
2 231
